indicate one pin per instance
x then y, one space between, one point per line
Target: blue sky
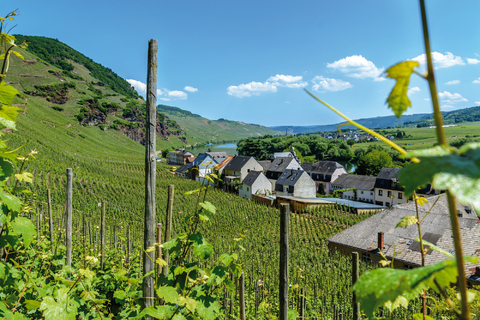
250 60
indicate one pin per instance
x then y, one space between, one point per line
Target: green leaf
447 169
398 99
159 312
25 227
7 93
434 247
406 221
24 176
119 294
208 307
61 308
419 316
6 168
32 305
190 304
12 202
200 246
208 206
292 314
379 286
8 116
169 294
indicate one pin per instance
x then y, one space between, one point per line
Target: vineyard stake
242 297
150 176
37 220
102 235
283 274
127 260
68 220
355 276
50 216
159 249
168 224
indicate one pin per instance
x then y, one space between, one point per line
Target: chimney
477 271
380 241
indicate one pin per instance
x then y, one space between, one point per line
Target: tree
371 163
350 142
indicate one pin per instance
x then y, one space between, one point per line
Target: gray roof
265 164
216 155
184 153
282 154
280 164
387 178
290 177
251 177
355 181
436 226
184 168
237 163
323 168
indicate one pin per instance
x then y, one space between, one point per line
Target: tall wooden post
168 224
103 236
159 250
150 171
242 297
355 276
50 215
127 261
68 220
283 274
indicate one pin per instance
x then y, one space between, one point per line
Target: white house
254 183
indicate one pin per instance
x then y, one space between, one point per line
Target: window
380 192
248 189
400 195
407 267
366 257
361 192
389 194
371 193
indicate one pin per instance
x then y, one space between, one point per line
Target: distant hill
420 120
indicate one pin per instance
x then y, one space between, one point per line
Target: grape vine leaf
7 93
406 221
398 99
12 202
62 308
377 287
208 307
447 169
168 294
25 227
200 246
8 116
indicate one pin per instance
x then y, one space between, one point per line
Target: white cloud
251 89
477 103
441 60
446 107
190 89
138 85
452 82
321 83
427 99
164 94
473 61
271 85
476 81
451 98
357 67
413 90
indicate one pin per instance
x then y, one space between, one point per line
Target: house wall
386 200
305 187
337 173
245 191
172 157
362 195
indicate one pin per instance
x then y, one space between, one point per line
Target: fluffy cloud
271 85
451 98
357 67
446 106
190 89
321 83
165 94
477 103
441 60
452 82
251 89
413 90
473 61
476 81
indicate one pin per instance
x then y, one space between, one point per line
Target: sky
250 60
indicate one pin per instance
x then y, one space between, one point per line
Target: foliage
371 163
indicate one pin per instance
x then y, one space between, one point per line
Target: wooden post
355 276
168 224
50 215
37 220
127 260
103 236
68 220
159 250
283 274
150 175
242 297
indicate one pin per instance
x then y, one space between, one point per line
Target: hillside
420 120
64 89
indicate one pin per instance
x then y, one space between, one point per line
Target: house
265 164
378 233
203 165
387 191
364 187
324 173
221 166
218 155
183 171
295 183
239 167
279 165
254 183
179 157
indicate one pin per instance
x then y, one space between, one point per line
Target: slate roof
216 155
224 162
237 163
251 177
321 169
436 226
265 164
389 176
290 177
283 154
280 164
184 168
184 153
359 182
